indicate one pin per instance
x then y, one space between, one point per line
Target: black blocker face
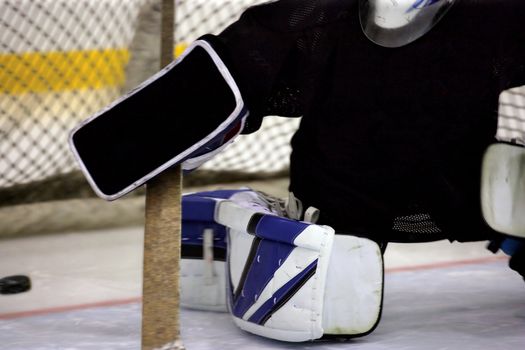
156 125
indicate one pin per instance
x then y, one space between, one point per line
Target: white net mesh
511 122
60 61
63 60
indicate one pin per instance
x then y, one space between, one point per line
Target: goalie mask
394 23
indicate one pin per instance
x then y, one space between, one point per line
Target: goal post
162 235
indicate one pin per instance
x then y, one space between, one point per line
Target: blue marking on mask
419 4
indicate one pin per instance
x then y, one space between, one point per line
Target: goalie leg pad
288 283
285 279
276 288
202 267
354 287
203 252
203 255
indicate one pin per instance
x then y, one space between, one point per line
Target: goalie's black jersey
391 140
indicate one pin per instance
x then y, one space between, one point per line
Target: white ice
87 286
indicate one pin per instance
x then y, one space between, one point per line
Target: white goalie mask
394 23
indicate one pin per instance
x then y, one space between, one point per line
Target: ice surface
453 305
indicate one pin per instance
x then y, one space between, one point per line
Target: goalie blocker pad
186 113
287 279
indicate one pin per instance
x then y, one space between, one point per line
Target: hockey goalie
397 143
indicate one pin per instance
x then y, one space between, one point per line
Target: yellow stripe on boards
62 71
34 72
179 49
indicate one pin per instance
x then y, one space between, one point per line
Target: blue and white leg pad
287 280
203 263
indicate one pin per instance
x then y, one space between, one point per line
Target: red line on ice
66 308
446 264
109 303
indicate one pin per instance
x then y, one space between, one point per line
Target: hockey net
62 60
